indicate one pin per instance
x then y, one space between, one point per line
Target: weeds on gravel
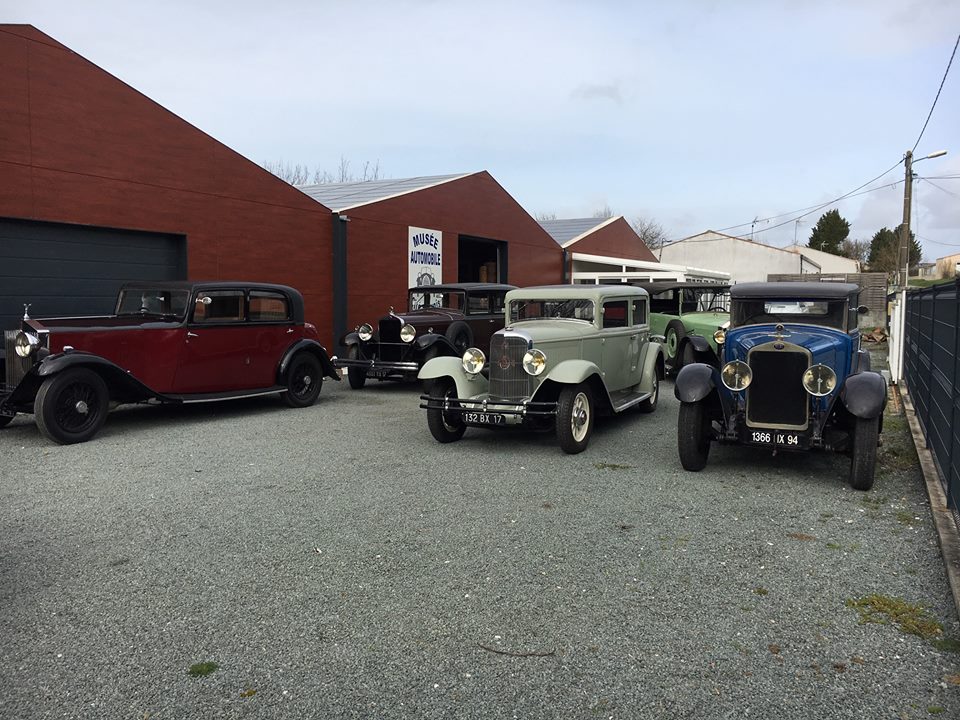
202 669
884 610
951 645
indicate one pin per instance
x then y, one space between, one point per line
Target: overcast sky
697 114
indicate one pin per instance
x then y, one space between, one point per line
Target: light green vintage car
566 354
686 315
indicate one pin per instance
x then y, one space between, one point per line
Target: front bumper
375 367
514 413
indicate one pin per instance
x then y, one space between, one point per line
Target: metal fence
931 371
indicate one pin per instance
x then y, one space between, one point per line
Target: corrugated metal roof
563 231
343 196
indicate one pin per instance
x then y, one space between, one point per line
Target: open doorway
481 260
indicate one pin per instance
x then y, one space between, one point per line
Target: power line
811 208
945 73
941 189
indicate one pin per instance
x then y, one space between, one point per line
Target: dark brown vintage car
177 342
440 320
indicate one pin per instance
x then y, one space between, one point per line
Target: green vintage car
686 315
566 354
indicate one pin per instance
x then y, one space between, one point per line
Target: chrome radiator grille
508 381
17 366
390 346
776 395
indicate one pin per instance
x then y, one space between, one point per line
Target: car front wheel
446 427
574 418
356 375
304 381
864 457
71 406
693 436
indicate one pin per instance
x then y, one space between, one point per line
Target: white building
829 263
744 260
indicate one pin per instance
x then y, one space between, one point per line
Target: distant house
829 263
605 250
743 259
948 266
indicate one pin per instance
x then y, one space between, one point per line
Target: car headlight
365 332
473 360
408 333
736 375
534 362
720 336
819 380
26 344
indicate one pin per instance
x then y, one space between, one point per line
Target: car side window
268 306
497 303
478 304
219 306
640 311
615 314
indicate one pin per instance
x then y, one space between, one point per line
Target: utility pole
904 254
796 226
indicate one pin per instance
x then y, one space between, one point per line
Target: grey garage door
76 270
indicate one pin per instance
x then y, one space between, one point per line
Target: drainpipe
339 280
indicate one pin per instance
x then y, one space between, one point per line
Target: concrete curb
947 532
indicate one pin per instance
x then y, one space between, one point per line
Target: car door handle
289 330
190 335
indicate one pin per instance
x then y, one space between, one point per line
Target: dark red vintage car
440 320
178 342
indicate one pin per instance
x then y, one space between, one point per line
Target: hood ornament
26 311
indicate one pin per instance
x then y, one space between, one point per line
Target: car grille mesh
776 395
508 380
390 346
17 366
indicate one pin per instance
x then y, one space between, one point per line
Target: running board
624 399
216 397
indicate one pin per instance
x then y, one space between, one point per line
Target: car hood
548 330
705 321
102 322
826 345
427 317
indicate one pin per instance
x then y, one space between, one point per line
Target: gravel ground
338 562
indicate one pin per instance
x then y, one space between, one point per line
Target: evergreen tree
829 233
885 250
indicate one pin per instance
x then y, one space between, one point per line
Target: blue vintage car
792 377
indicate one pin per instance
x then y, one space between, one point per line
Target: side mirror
862 309
205 300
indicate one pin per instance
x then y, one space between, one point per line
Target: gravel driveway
338 562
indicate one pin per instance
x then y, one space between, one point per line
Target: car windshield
152 301
689 300
420 299
809 312
564 309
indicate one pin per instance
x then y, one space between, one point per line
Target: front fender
452 367
120 384
422 343
572 372
310 346
350 339
864 395
699 343
695 382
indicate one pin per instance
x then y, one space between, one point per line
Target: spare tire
460 336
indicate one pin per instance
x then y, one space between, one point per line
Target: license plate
482 418
775 437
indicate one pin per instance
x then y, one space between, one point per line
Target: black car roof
794 290
658 287
463 287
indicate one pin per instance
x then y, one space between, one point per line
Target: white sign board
425 248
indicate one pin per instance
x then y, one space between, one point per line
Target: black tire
650 404
574 423
693 436
357 376
445 427
674 335
5 419
71 406
304 381
863 459
460 336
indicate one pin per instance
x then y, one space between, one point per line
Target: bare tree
858 250
300 174
545 216
650 231
604 212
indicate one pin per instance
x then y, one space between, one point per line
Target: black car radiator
776 395
391 349
508 380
